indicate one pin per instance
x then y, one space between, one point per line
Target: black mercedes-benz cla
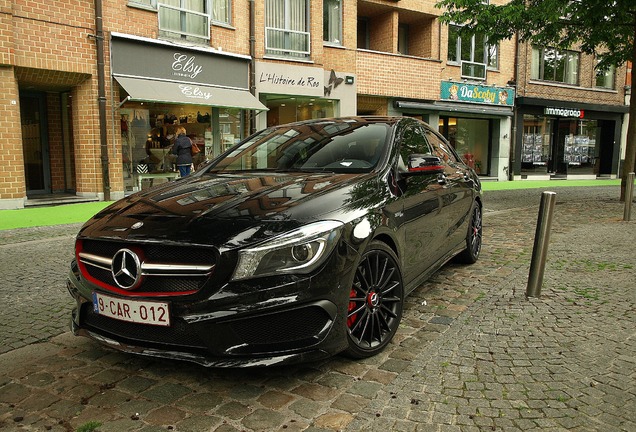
296 244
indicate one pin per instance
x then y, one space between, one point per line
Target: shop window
471 52
287 28
286 109
536 144
469 138
579 151
184 19
147 136
605 77
332 21
550 64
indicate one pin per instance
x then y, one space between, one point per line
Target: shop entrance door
606 148
35 146
557 166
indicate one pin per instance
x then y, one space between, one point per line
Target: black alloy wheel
470 255
376 300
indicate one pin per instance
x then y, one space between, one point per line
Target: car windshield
343 147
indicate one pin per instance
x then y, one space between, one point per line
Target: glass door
35 143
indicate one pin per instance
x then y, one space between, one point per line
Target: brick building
93 91
570 116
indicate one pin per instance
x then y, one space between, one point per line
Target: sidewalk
472 353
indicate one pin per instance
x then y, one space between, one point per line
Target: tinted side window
441 147
413 142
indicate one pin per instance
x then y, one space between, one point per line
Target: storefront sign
461 92
286 79
137 57
564 112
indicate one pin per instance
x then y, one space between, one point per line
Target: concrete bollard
629 196
541 241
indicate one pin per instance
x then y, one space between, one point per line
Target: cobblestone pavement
472 353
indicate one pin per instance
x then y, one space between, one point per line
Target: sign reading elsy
463 92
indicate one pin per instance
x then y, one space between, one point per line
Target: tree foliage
603 28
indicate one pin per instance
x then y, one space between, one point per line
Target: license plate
136 311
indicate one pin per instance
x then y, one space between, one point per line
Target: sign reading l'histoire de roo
287 79
465 92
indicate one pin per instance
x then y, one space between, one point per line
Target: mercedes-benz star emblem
126 269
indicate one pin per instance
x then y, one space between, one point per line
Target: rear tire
470 255
376 300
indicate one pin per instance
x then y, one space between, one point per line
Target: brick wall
585 92
12 186
384 74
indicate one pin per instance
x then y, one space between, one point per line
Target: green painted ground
73 213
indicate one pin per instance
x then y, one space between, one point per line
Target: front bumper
248 325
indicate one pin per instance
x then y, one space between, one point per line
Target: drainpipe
252 63
101 97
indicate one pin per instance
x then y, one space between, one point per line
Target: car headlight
298 251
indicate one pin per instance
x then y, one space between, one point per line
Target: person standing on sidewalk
183 149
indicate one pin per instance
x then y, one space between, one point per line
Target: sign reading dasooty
475 93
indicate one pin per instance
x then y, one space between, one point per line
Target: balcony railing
184 22
473 70
287 42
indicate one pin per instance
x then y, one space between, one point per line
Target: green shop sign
474 93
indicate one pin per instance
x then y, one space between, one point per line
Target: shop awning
148 90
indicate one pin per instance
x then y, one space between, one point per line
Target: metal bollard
629 196
541 240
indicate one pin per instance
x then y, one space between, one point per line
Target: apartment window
472 52
221 12
332 21
185 19
550 64
143 3
287 28
605 78
363 33
403 39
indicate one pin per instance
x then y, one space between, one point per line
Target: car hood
232 210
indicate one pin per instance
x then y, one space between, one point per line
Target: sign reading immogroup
564 112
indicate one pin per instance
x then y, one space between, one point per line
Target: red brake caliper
351 320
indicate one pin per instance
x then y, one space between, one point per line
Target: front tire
376 300
470 255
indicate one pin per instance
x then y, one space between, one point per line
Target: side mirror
425 164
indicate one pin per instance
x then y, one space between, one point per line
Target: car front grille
165 269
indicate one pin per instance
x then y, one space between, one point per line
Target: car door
421 206
456 191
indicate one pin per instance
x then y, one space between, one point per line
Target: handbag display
195 150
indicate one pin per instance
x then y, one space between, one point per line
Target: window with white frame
287 28
550 64
472 52
332 21
143 3
605 77
185 19
221 11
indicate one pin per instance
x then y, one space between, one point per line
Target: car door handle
441 178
